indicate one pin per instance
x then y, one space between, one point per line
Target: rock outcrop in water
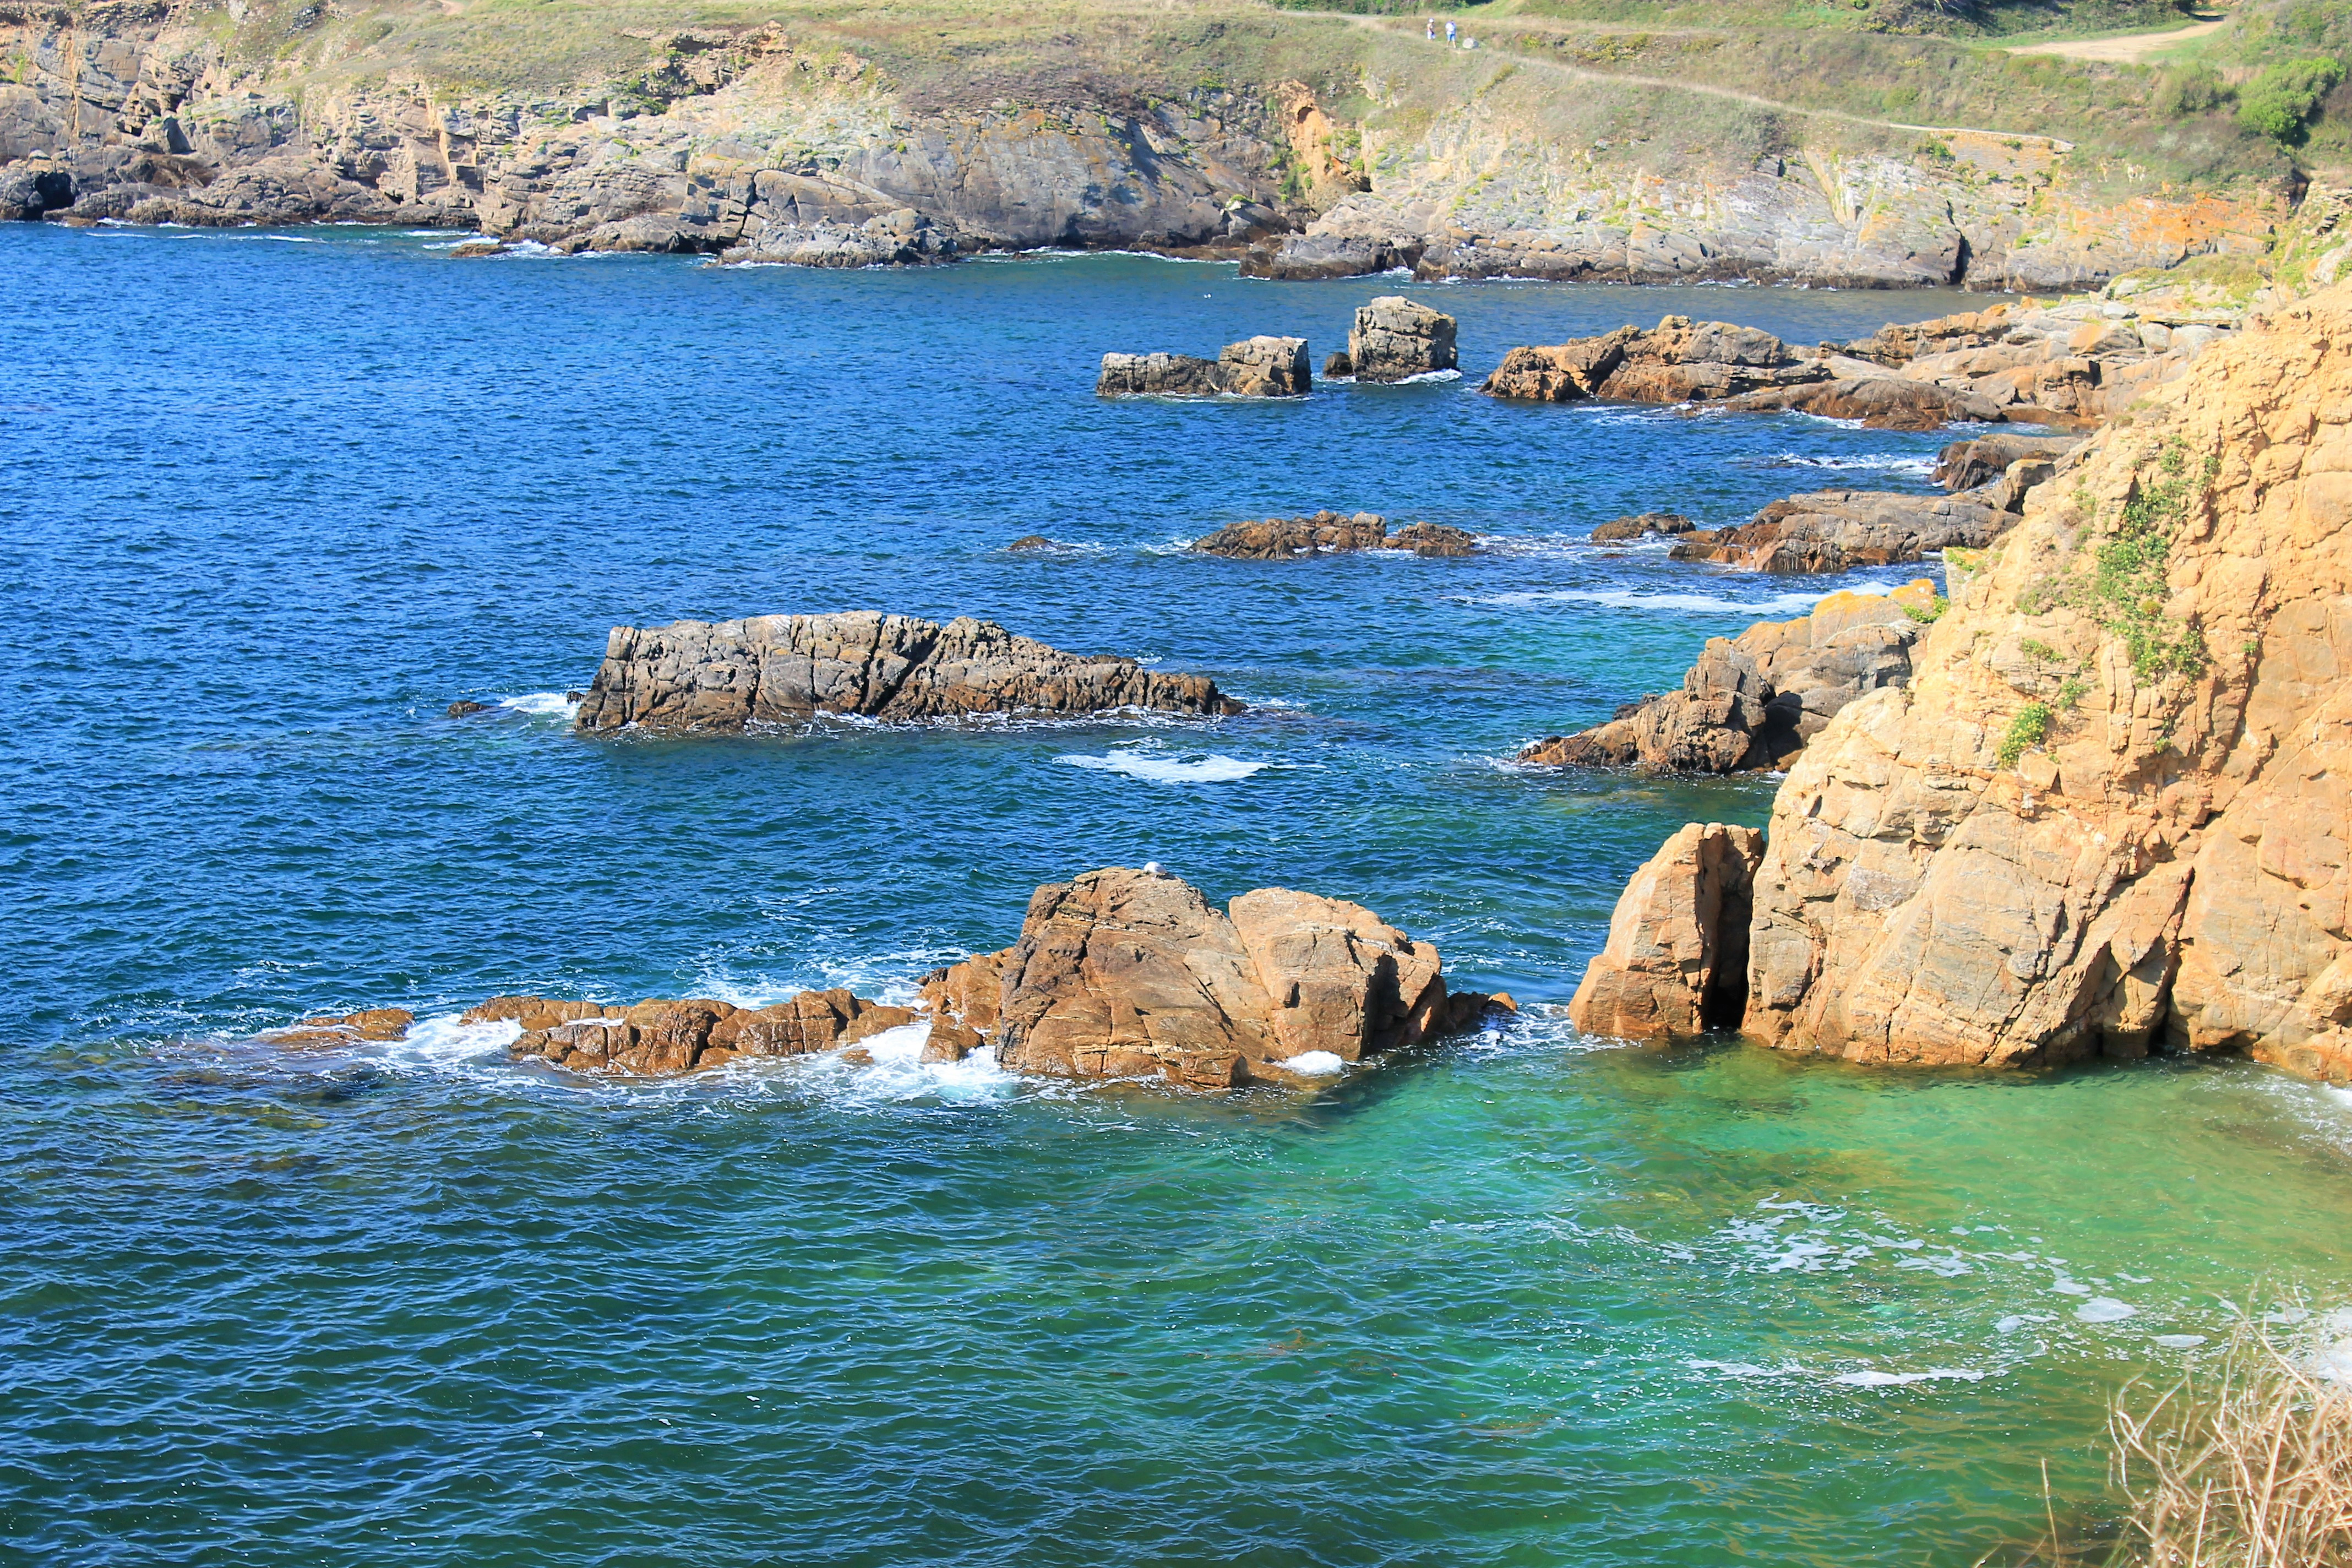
1332 533
1624 530
1980 460
1754 700
1676 965
1254 367
705 676
2109 811
1836 531
1395 338
658 1039
1129 974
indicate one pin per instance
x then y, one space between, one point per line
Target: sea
1526 1297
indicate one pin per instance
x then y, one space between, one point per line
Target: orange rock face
2111 808
660 1037
1676 965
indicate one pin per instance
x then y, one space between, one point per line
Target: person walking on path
1432 29
1449 33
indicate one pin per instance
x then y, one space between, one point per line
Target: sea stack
1395 338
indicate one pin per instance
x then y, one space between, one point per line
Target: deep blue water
280 499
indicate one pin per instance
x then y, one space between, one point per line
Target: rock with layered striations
657 1037
1128 974
1678 361
1331 533
1676 965
1835 530
369 1024
2110 810
1982 459
779 670
1393 339
1878 402
1622 530
903 237
1254 367
1754 700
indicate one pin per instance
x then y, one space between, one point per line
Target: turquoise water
1524 1299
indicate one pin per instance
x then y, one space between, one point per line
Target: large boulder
1982 459
1676 965
1836 531
1754 700
780 669
1394 338
1254 367
1331 533
1129 974
2110 811
1678 361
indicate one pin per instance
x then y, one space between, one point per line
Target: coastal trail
2131 50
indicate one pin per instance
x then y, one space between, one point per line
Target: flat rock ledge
722 676
2072 364
1754 700
1254 367
1118 973
1836 531
1332 533
1124 974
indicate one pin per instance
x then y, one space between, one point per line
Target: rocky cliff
832 139
2109 811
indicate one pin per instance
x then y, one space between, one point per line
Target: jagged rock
722 676
477 250
1264 367
1338 366
1031 544
1619 530
2105 814
1965 464
1676 965
1754 701
1567 373
661 1037
1678 361
29 190
1879 403
1128 974
901 239
1331 533
1833 530
1301 258
464 709
1254 367
1393 338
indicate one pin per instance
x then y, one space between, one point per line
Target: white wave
2180 1342
1314 1064
2105 1309
541 704
445 1045
1212 769
1428 375
1872 462
1869 1377
888 1068
1694 603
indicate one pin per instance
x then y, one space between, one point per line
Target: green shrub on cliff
2028 730
2280 102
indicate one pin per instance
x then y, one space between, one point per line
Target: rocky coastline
2103 814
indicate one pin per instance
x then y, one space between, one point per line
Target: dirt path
1582 74
2122 51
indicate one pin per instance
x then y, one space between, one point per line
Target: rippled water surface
1525 1299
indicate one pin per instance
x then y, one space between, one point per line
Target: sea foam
1214 768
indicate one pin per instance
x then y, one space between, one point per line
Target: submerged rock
1754 700
1254 367
1393 338
701 675
465 707
1128 974
1676 965
1835 530
1618 531
656 1038
1032 543
372 1024
1331 533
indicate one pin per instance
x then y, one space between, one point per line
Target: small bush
2028 730
2195 89
1933 613
2279 103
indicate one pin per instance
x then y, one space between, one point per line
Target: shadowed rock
1676 965
1254 367
1834 530
704 676
1331 533
1393 338
1620 529
1965 464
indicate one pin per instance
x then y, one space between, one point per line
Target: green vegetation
2028 730
2126 588
1933 613
2280 102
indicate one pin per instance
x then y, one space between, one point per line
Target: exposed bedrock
2109 811
1676 965
704 676
660 1037
2071 364
1833 530
1965 464
1254 367
1621 530
1133 974
1332 533
1754 700
1395 338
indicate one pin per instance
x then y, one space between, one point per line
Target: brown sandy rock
1331 533
1434 539
1965 464
1754 700
1678 361
373 1024
1675 963
702 676
1393 338
465 708
659 1038
1880 403
1128 974
2111 808
1835 530
1254 367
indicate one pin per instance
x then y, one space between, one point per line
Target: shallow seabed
1523 1299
